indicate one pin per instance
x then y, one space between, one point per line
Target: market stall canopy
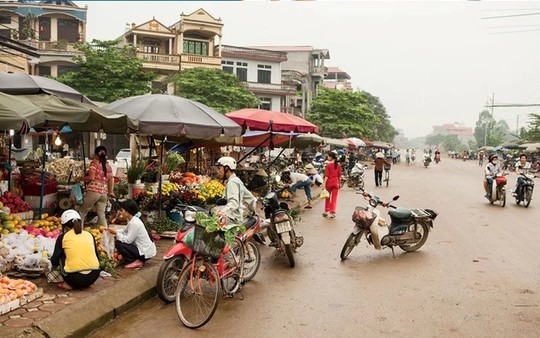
531 147
381 144
512 145
357 142
259 119
304 141
259 138
335 142
22 112
174 116
23 84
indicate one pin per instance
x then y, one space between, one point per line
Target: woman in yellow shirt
75 253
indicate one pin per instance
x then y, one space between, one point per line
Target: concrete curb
81 318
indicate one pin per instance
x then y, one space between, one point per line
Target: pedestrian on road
380 162
133 243
332 177
100 186
75 253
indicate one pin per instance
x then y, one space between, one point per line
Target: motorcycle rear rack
423 213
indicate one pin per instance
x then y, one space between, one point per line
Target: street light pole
486 127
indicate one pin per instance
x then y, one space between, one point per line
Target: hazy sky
429 62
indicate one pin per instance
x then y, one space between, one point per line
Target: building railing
320 71
276 87
254 51
52 45
201 59
159 58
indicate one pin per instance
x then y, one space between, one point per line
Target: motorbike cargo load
501 180
363 217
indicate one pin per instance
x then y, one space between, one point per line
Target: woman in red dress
332 176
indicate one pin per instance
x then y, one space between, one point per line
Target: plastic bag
107 242
76 193
325 193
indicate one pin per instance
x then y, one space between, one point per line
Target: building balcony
160 61
270 88
191 61
52 46
319 71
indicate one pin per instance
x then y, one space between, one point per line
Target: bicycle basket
209 244
387 167
363 217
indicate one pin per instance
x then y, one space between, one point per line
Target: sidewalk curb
81 318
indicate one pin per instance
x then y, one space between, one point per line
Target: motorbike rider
437 155
235 193
492 169
522 167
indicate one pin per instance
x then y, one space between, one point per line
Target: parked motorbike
356 176
408 229
280 227
498 190
524 191
180 253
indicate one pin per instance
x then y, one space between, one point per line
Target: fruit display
47 226
11 224
26 251
14 203
12 289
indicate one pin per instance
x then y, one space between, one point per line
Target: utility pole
486 127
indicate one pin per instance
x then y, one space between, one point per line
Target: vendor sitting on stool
258 185
134 242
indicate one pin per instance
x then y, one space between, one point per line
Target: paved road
477 275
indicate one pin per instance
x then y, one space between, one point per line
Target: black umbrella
174 116
21 84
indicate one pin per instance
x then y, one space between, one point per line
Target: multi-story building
188 43
304 64
337 79
457 129
260 71
52 27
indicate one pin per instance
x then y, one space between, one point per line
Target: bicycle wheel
252 260
234 268
387 179
197 293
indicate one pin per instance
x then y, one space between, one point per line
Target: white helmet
69 215
227 161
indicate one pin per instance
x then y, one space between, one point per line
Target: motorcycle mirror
278 178
373 202
395 198
221 202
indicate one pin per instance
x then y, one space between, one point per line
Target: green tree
490 132
383 129
531 133
341 114
214 88
107 72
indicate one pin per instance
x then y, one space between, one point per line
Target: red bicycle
200 280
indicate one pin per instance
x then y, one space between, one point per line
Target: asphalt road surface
477 275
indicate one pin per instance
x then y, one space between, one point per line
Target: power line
512 26
514 105
510 16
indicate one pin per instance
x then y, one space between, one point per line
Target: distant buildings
337 79
463 133
51 28
260 71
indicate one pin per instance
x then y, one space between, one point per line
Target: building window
195 47
44 71
266 103
66 69
5 20
227 66
264 74
151 47
68 30
6 33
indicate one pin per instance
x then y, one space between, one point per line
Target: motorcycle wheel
167 278
350 243
350 182
503 198
290 254
197 294
252 260
527 196
361 184
424 231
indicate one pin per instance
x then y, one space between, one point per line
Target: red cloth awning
259 119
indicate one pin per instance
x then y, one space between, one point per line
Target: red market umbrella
259 119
